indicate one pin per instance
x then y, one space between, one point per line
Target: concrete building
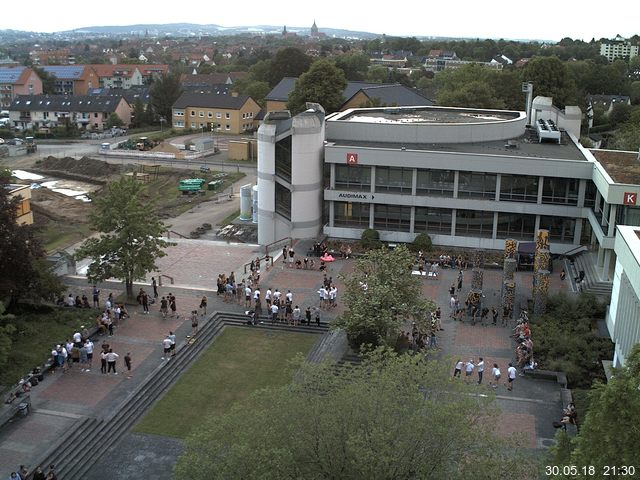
623 316
619 47
16 81
466 177
212 112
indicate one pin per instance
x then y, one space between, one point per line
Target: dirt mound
85 166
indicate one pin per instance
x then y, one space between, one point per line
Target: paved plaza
194 265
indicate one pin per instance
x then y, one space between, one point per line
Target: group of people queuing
470 367
418 337
36 474
524 343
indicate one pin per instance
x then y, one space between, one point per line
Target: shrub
370 238
422 242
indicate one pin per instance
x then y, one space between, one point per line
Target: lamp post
161 120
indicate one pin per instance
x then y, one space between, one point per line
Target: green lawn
239 362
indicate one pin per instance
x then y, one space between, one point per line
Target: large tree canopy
393 417
24 272
164 92
324 83
381 295
129 240
288 62
551 78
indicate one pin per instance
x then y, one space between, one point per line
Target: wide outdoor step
77 453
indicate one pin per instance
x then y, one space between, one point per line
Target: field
239 362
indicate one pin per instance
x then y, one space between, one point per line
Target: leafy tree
288 62
609 434
6 330
114 120
323 84
130 232
164 93
551 78
381 296
370 238
634 91
378 74
620 113
24 272
355 66
138 114
393 417
422 242
48 80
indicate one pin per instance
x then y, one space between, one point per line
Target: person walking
458 369
145 303
172 305
460 278
127 363
172 337
96 297
203 304
103 362
111 361
166 346
164 307
511 376
495 373
480 369
88 345
155 287
307 315
194 323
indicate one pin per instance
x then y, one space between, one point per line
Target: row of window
515 188
468 223
227 115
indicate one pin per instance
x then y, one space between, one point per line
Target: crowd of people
38 473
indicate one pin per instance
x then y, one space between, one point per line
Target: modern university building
466 177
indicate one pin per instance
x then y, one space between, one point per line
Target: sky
509 19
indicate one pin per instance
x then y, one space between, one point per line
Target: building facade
16 81
618 48
466 177
623 316
24 215
213 112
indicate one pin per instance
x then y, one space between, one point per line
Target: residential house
439 60
23 193
17 81
87 112
215 112
607 102
121 76
152 71
356 94
619 47
72 79
52 57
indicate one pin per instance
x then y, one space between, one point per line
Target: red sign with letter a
352 158
630 198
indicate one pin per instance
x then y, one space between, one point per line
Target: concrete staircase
86 441
592 282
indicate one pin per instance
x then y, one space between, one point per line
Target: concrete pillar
613 209
414 182
498 186
453 222
540 189
494 233
600 256
332 176
373 180
332 213
412 221
582 190
456 182
606 265
371 213
577 231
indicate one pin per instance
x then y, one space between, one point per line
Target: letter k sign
630 198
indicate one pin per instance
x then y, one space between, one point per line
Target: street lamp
161 120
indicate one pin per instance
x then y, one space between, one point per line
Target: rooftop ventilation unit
547 130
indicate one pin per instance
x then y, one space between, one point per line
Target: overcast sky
512 19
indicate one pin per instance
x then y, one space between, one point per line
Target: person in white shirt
297 314
495 373
267 297
77 338
274 313
289 297
256 294
333 295
71 302
458 369
247 296
166 345
111 361
511 376
88 344
469 367
480 367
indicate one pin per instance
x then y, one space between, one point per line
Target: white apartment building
618 48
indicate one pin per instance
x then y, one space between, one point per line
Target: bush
422 242
370 238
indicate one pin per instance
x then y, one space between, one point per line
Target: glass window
477 185
561 229
193 113
392 217
283 201
563 191
209 114
283 158
516 225
519 188
218 115
590 194
353 177
227 115
394 179
433 220
435 182
474 223
349 214
201 114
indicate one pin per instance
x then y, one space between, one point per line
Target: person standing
297 314
155 287
166 345
111 361
495 373
317 315
194 323
307 315
83 357
127 363
145 303
468 368
480 368
458 369
203 305
460 278
88 344
103 362
274 313
511 376
96 297
172 337
164 304
172 305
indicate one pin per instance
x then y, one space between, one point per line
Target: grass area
58 235
230 218
238 363
36 332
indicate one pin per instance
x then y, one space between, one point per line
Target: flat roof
622 167
526 146
425 115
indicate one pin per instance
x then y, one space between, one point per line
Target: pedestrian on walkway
96 297
155 287
469 368
480 368
145 302
494 315
297 314
307 315
194 323
127 363
172 337
88 345
164 307
111 361
460 278
511 376
274 313
166 345
317 315
172 304
458 369
495 373
103 362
